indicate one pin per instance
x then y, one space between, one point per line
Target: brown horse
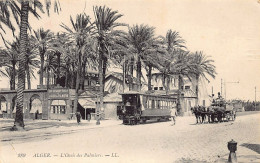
200 113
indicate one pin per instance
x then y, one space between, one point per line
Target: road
150 142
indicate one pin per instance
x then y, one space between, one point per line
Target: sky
226 30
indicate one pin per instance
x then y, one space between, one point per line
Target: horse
196 112
203 113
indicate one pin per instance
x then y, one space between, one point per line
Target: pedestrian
78 117
173 115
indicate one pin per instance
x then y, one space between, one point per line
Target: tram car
140 107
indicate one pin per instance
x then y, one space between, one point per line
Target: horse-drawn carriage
219 111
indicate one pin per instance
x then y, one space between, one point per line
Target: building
55 103
188 91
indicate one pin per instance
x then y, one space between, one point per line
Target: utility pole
124 75
255 97
221 87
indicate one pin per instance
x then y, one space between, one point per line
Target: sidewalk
41 128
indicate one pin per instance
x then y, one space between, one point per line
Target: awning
87 103
36 105
58 102
3 106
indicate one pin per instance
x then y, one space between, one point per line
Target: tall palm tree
50 65
31 62
202 66
180 66
81 33
105 21
165 74
140 39
41 39
173 41
23 11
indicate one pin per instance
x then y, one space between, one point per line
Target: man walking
78 116
173 115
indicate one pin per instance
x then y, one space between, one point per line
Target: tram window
145 101
150 104
153 104
159 104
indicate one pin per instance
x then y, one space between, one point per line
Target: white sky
227 30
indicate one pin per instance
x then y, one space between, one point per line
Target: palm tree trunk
167 85
28 77
149 77
163 82
58 69
66 79
197 89
101 93
13 77
83 76
179 109
104 70
131 70
77 84
41 70
138 73
21 73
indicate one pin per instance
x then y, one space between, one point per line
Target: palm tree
180 66
165 74
105 21
50 65
31 62
42 38
202 66
11 53
26 6
81 33
173 41
140 40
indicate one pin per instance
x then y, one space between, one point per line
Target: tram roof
146 93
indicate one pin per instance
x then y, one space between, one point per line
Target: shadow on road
253 147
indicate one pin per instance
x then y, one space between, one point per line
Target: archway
3 107
35 108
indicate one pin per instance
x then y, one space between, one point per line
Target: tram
139 107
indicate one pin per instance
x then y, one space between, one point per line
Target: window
153 104
187 87
155 88
161 88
